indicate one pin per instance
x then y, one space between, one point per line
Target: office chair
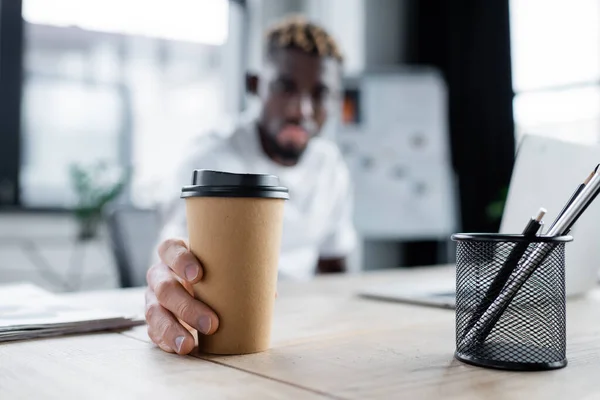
133 234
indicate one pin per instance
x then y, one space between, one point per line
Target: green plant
95 186
495 209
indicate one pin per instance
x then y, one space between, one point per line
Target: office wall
345 19
232 57
261 15
372 33
385 32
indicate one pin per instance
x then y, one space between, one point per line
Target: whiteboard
399 158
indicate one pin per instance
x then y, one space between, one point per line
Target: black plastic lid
207 183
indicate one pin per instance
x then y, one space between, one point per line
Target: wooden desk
327 343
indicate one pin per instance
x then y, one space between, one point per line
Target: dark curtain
11 39
469 42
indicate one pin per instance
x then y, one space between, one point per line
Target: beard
287 143
288 154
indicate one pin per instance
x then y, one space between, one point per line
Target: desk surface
327 343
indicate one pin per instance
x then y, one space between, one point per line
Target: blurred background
94 94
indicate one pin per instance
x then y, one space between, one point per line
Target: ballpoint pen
574 196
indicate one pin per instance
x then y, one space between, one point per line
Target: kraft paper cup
235 224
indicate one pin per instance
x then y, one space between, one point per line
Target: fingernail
191 272
204 324
178 342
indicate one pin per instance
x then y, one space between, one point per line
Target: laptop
545 174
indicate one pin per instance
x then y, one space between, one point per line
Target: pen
531 229
574 196
563 224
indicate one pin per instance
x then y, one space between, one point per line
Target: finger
153 271
166 348
164 330
175 298
175 254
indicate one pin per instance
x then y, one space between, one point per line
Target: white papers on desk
27 312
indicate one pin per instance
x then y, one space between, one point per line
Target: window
556 68
117 81
197 21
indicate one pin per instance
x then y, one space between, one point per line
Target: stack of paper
27 311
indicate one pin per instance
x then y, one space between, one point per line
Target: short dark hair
296 32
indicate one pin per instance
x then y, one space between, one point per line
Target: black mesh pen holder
530 333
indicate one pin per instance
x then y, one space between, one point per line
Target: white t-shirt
318 216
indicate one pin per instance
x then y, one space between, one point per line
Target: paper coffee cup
235 225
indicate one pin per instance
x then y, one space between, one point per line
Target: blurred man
298 88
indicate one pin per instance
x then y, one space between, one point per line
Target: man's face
298 91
